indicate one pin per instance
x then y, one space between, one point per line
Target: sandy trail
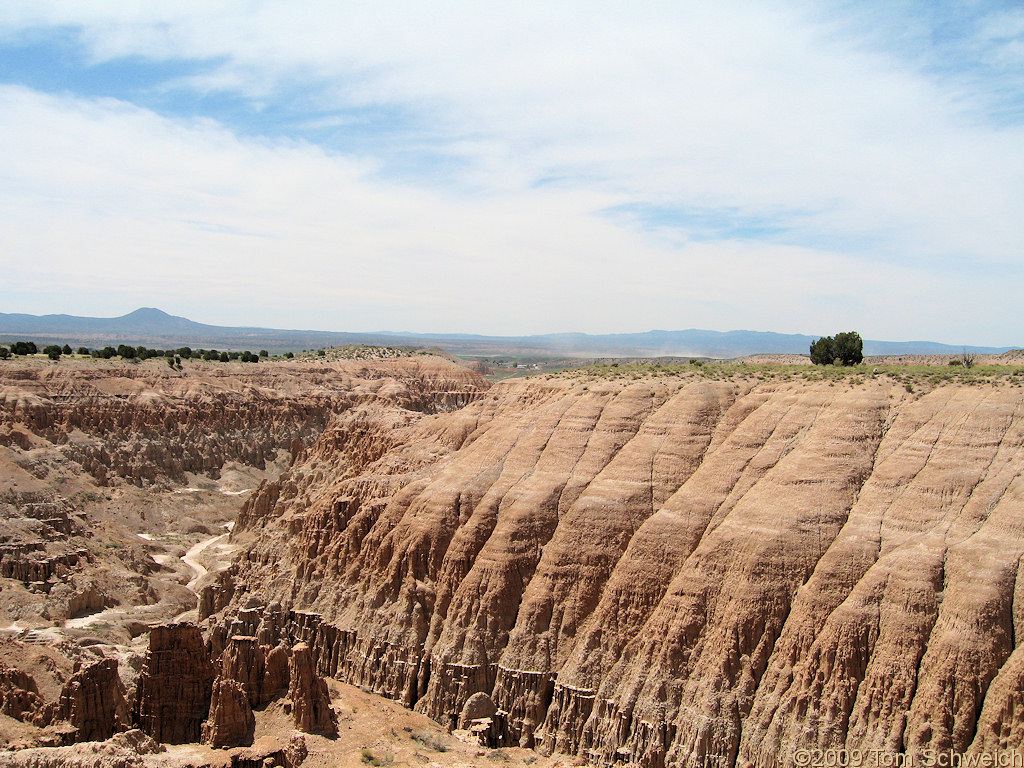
190 558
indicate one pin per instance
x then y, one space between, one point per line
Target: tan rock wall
666 571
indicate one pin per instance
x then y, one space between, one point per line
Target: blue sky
519 168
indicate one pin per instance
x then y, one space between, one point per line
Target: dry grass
913 377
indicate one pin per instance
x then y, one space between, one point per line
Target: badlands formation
666 568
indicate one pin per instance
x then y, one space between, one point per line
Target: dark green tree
66 349
83 351
264 353
224 357
4 353
845 349
849 348
52 351
823 351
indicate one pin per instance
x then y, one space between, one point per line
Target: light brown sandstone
310 699
231 722
668 571
19 694
92 700
173 695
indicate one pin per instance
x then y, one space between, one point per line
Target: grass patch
367 756
428 740
930 375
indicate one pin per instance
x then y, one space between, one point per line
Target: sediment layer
676 571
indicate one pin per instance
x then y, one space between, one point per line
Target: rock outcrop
124 750
477 707
92 701
309 697
671 570
173 695
19 695
269 752
146 422
231 722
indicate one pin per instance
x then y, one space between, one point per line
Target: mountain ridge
149 325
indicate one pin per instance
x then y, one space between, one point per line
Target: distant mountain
156 328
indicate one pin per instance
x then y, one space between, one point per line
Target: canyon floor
712 564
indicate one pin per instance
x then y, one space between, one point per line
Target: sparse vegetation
428 740
921 376
367 756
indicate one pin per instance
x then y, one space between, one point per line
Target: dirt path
190 558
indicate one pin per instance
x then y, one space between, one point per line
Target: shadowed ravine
667 570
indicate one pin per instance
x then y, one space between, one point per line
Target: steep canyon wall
667 570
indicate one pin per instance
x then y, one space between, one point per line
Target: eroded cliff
117 483
667 570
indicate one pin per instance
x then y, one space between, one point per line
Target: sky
517 168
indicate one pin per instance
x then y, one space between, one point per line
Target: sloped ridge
666 571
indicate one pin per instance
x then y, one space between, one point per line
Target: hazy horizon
791 167
437 334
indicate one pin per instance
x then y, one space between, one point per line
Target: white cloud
761 110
